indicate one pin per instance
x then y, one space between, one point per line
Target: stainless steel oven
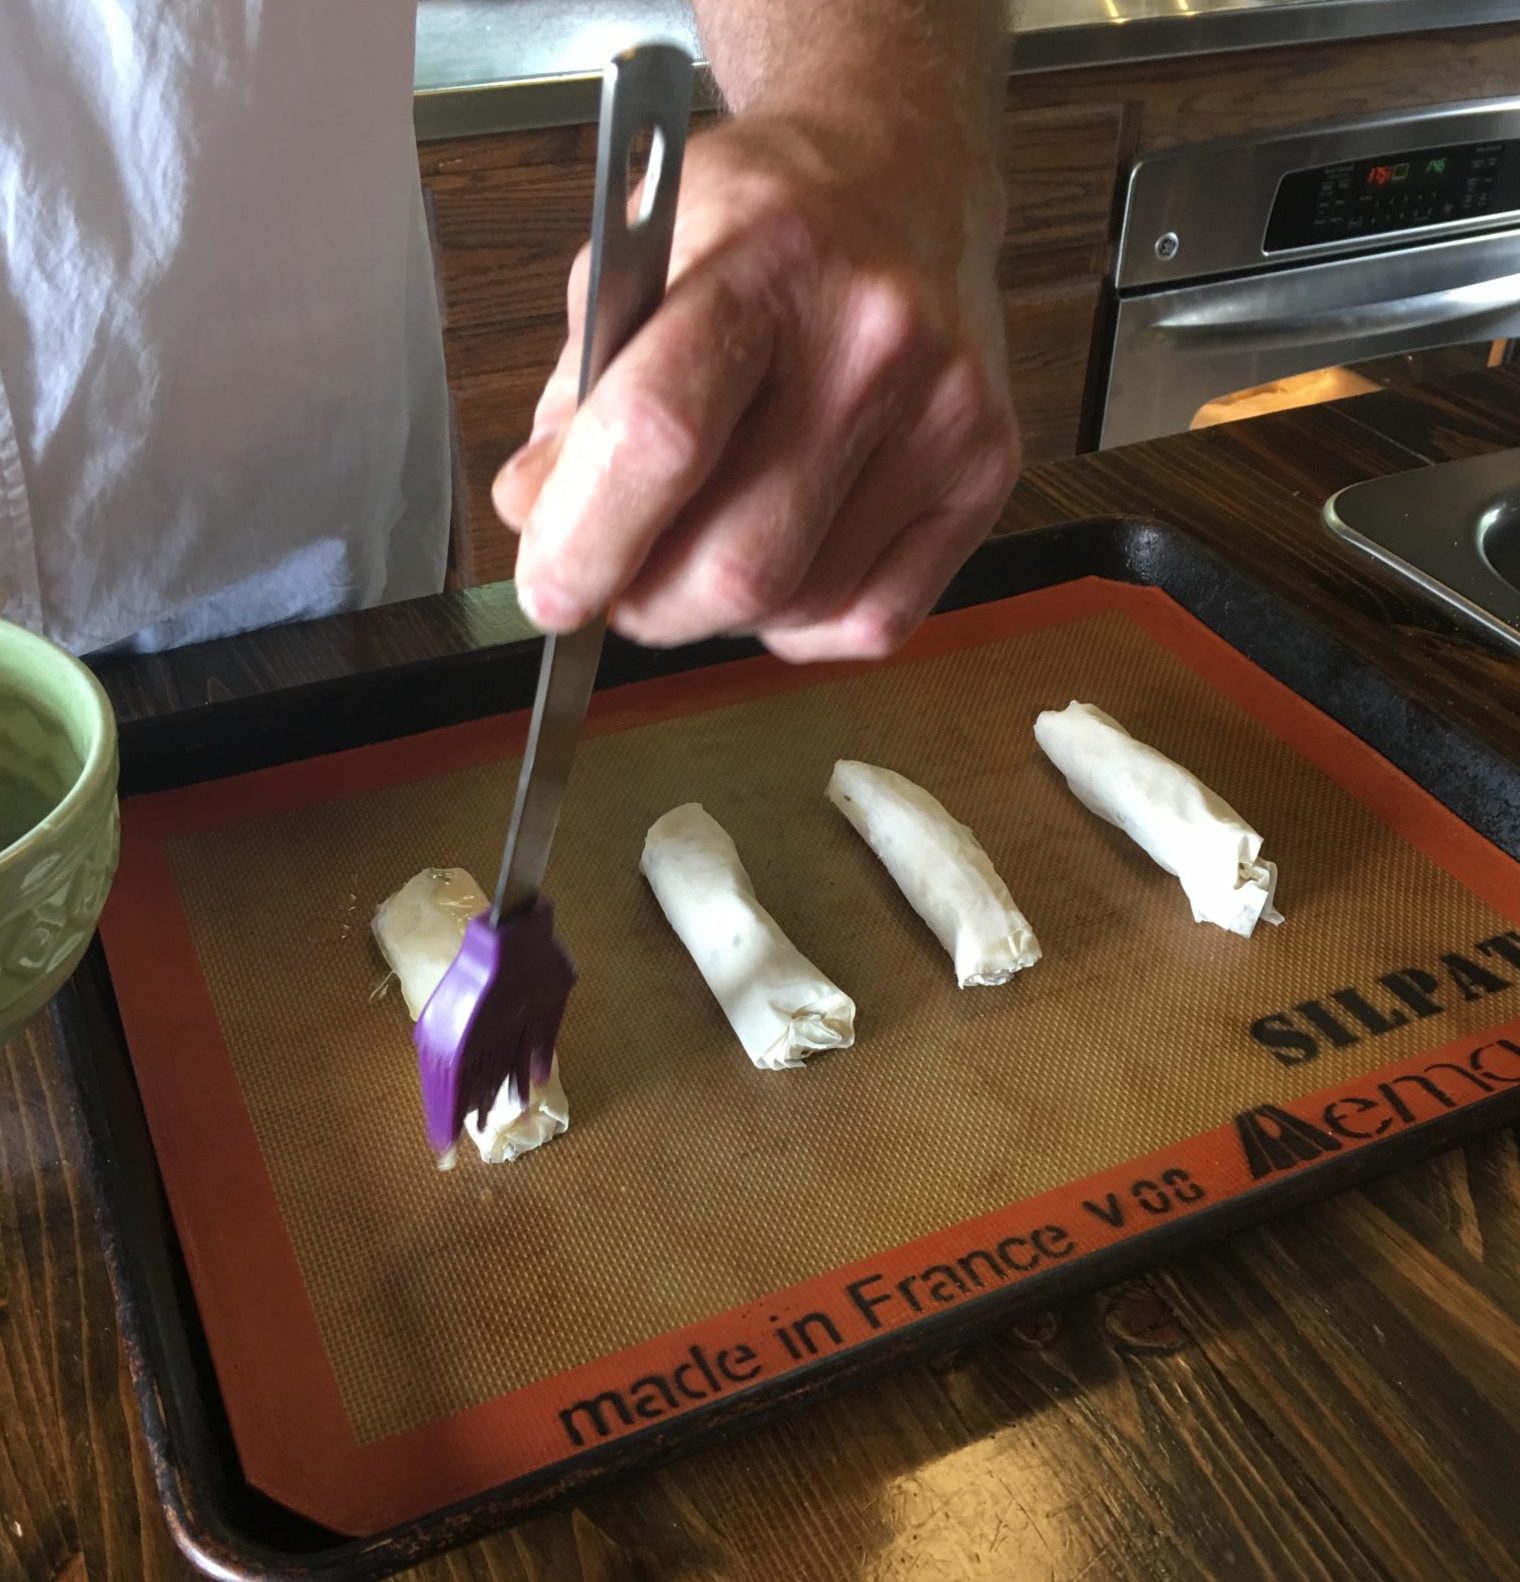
1271 273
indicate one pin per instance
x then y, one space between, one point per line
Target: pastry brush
495 1014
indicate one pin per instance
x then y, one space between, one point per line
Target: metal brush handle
648 88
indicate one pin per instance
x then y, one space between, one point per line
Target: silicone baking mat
389 1338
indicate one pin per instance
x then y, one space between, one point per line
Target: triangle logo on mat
1275 1140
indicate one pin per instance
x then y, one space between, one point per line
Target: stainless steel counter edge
1129 31
525 104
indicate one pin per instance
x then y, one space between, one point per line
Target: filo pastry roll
778 1003
1168 812
419 930
942 870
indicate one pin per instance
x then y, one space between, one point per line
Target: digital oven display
1394 192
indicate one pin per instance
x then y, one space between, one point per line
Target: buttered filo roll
1168 812
419 930
780 1005
941 868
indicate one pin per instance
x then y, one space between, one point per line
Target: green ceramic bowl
58 819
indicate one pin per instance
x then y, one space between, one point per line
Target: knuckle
738 329
634 623
965 404
974 428
889 320
787 231
808 645
555 403
994 467
741 588
643 614
654 435
771 197
877 631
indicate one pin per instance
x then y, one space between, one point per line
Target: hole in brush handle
646 163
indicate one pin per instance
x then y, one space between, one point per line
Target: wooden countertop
1298 1402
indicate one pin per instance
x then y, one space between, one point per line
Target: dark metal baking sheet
232 1530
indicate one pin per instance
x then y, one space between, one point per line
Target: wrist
932 180
903 98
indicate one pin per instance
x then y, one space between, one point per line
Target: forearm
907 91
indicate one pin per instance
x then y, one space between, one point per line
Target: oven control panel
1399 191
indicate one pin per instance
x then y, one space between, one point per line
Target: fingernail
549 607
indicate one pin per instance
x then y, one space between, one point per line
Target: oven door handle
1470 307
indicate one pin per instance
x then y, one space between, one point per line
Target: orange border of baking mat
279 1389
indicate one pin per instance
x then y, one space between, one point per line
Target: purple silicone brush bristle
493 1018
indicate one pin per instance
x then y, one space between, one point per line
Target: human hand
809 436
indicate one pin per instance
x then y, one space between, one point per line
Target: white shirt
222 398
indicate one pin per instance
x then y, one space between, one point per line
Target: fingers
936 437
894 599
521 479
742 548
901 588
593 499
751 540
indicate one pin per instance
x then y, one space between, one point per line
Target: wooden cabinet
1061 164
509 213
511 210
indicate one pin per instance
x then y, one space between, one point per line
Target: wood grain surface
1334 1396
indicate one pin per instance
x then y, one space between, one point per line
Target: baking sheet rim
463 1454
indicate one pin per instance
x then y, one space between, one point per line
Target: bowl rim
102 749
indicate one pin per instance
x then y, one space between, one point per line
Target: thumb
516 487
